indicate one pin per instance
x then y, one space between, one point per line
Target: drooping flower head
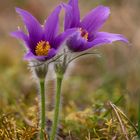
88 35
42 42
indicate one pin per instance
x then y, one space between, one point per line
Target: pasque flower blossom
88 35
42 42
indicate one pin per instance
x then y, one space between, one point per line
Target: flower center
84 33
42 48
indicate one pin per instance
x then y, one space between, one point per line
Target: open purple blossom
88 35
42 42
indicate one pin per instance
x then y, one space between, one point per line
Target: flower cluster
43 42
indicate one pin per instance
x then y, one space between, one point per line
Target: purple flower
42 42
88 35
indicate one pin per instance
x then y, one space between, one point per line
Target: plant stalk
57 108
139 118
42 108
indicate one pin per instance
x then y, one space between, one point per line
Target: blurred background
92 80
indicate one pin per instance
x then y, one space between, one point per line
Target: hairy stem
42 108
57 108
139 118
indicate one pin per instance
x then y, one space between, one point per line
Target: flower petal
68 16
76 12
94 20
33 26
31 56
51 54
76 42
72 16
105 38
63 37
52 24
21 35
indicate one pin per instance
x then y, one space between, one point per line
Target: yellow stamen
42 48
84 33
85 36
